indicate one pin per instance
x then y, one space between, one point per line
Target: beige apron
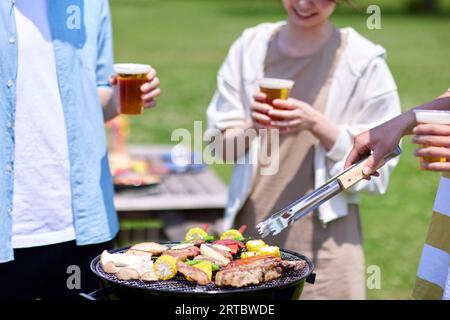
336 249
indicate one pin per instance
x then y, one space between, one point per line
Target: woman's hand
291 115
436 137
259 111
150 90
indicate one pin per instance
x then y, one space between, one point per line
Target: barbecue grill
288 286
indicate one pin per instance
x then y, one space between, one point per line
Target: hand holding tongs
300 208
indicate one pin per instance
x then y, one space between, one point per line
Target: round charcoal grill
288 286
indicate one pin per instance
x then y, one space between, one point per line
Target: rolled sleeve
105 56
342 145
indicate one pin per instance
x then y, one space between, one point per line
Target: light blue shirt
82 42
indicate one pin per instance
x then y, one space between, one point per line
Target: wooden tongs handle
354 174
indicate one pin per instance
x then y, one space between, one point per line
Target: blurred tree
429 6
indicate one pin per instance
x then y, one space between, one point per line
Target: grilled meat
197 242
151 247
195 274
183 254
217 256
255 270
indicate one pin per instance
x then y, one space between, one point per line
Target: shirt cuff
341 146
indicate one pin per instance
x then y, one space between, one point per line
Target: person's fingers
437 141
284 114
258 125
352 158
261 118
149 104
286 124
288 104
113 80
432 130
151 95
151 74
260 97
436 166
151 85
261 107
433 152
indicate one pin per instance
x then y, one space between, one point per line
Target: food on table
133 179
151 247
165 267
193 273
128 171
183 254
119 162
254 270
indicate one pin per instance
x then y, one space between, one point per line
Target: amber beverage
130 78
433 117
275 88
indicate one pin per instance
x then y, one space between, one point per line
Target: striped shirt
433 275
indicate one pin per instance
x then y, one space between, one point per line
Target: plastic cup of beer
130 78
432 117
275 88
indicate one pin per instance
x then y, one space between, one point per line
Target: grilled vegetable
248 254
269 250
214 266
254 245
232 234
205 266
208 251
165 267
196 234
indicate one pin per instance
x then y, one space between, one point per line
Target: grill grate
179 284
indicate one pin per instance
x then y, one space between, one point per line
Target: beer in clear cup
432 117
130 78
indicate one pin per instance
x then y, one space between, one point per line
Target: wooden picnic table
167 211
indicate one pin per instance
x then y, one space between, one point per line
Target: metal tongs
301 207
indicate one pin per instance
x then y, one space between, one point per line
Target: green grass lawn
187 40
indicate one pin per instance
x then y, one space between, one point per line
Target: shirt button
10 83
12 40
8 168
9 210
8 125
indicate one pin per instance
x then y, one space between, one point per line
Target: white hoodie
362 95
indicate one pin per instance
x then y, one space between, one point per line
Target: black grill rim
229 290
